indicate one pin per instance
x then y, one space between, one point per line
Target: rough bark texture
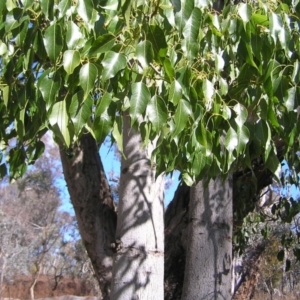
209 247
93 205
139 259
176 222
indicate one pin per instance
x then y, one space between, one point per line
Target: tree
214 93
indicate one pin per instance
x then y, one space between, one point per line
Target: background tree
37 240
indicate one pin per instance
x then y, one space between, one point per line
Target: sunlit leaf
175 92
103 104
53 41
245 12
59 117
140 97
85 10
112 63
102 44
144 53
275 24
49 85
80 113
183 10
87 77
231 140
190 33
208 91
111 5
74 37
243 136
289 98
47 8
241 114
71 59
183 111
157 112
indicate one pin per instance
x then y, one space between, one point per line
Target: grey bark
93 204
139 258
176 222
209 246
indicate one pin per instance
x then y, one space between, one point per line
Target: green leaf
21 33
63 6
103 104
169 70
223 86
74 37
140 97
208 91
157 112
102 44
71 60
80 114
3 48
85 10
102 127
295 75
190 32
5 94
117 133
175 92
243 139
111 5
87 77
272 163
49 84
183 111
231 140
112 63
20 124
245 12
144 53
183 9
275 24
219 63
157 38
189 181
47 8
260 19
242 114
53 41
200 163
204 138
284 38
289 98
59 117
14 19
263 134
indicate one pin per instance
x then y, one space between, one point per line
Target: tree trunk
209 247
35 279
139 259
93 204
3 267
176 223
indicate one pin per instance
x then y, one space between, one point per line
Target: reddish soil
44 288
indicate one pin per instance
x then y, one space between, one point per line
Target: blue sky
112 166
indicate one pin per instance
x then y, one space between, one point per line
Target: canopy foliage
217 89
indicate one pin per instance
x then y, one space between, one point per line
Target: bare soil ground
44 288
